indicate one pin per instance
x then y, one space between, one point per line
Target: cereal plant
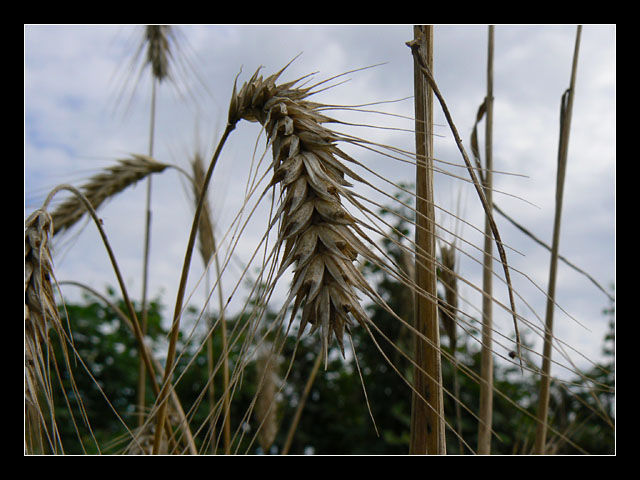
323 272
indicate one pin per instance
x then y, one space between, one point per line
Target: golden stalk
486 368
563 148
427 410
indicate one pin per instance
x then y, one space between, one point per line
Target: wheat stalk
563 147
486 387
104 185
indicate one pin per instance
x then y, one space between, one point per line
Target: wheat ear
104 185
157 40
40 315
319 236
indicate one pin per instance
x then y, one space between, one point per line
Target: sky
87 104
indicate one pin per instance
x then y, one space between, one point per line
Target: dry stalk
427 434
486 387
301 403
566 109
104 185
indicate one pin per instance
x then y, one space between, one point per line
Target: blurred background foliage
336 419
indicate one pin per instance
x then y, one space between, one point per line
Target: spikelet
319 236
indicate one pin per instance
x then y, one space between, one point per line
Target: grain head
104 185
157 39
40 311
206 241
318 236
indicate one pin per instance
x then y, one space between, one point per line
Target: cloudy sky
86 105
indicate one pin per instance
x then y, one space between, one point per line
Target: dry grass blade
104 185
486 368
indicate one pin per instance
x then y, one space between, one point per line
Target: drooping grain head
158 49
318 235
40 312
104 185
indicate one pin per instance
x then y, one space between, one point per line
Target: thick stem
563 147
427 418
486 369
